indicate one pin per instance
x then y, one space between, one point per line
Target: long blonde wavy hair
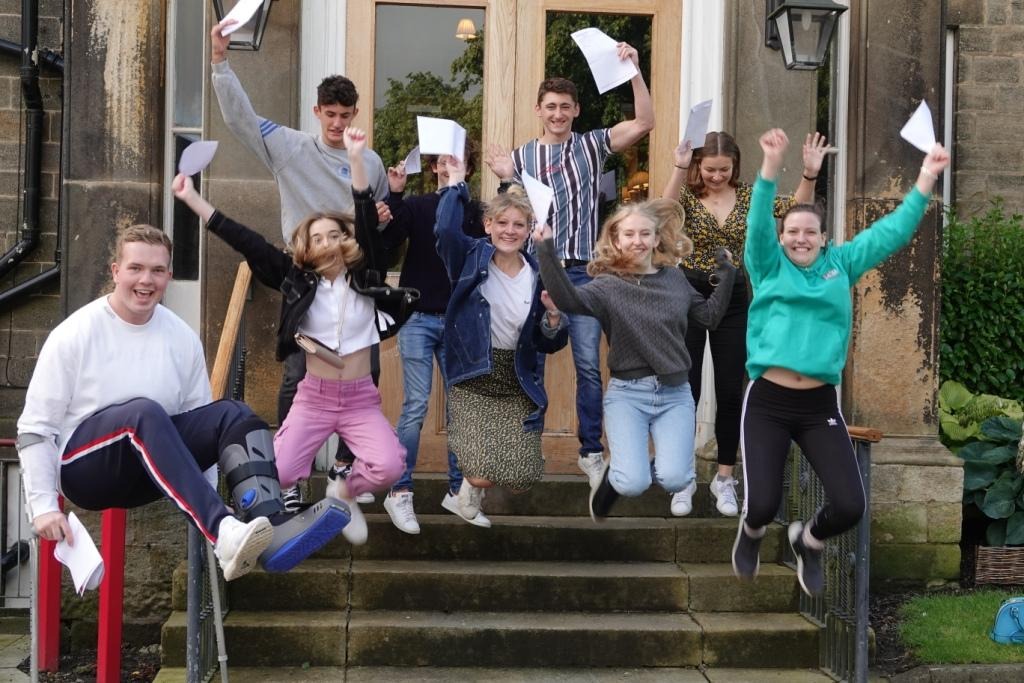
665 215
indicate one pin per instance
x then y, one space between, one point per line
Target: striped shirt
573 170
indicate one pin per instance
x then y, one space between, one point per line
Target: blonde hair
140 232
514 198
305 255
665 215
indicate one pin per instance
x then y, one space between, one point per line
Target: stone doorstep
508 675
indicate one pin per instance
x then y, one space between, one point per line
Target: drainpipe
29 238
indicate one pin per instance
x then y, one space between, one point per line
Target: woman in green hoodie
797 337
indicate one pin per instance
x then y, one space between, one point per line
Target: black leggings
729 354
773 416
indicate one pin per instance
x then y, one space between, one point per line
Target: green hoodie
800 317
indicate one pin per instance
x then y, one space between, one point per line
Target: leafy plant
982 330
962 412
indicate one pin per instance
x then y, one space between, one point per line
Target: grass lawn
953 628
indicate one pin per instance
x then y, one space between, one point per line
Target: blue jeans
419 342
637 408
585 339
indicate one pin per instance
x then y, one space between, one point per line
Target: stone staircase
544 595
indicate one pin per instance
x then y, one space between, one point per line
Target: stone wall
24 326
989 160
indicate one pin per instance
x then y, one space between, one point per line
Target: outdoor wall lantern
249 36
802 29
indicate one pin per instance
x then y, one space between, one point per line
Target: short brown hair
304 256
562 86
666 215
141 232
716 143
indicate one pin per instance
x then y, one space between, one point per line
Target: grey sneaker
808 562
399 508
592 465
724 493
746 559
292 499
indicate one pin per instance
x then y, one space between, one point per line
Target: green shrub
982 324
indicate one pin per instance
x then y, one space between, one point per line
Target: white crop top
340 317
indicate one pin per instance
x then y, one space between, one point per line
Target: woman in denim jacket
334 291
498 319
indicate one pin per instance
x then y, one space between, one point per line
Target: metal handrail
842 610
205 587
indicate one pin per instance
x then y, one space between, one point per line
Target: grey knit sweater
644 316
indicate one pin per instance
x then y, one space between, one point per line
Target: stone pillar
891 378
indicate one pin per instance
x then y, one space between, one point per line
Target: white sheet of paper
697 124
602 56
607 191
82 559
412 161
919 131
197 156
540 196
242 12
441 136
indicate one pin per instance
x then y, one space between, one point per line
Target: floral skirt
485 427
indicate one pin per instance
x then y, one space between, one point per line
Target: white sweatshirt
93 360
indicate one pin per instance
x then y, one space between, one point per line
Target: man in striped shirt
571 163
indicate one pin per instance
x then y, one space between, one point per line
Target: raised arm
452 243
760 251
627 133
682 157
814 151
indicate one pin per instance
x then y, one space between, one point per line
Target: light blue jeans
637 408
419 342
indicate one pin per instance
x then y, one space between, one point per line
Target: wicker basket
999 564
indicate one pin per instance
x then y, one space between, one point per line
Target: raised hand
773 143
219 43
499 160
541 232
682 155
627 51
355 141
182 187
456 169
815 149
936 160
397 177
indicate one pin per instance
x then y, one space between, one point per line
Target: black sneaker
746 554
602 496
808 562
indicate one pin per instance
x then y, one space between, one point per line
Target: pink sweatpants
350 409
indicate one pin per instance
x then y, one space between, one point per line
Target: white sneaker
682 501
451 504
365 498
724 493
239 544
356 531
399 508
470 499
592 465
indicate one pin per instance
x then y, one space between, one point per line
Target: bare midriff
356 366
791 379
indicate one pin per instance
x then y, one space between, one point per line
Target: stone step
569 639
557 539
268 638
393 674
557 495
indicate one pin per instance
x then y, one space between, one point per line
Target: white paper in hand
540 196
197 156
602 54
697 124
441 136
242 12
412 161
919 130
82 559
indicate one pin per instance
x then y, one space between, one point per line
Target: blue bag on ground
1009 626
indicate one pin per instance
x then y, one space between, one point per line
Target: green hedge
983 302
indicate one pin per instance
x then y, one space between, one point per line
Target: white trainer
451 504
682 501
355 532
399 508
724 493
470 499
365 498
592 465
239 544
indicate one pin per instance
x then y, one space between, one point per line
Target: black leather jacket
275 268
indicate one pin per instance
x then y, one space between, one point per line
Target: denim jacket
275 269
467 324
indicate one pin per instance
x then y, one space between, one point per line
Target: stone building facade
104 167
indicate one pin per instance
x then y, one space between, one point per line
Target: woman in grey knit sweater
644 303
